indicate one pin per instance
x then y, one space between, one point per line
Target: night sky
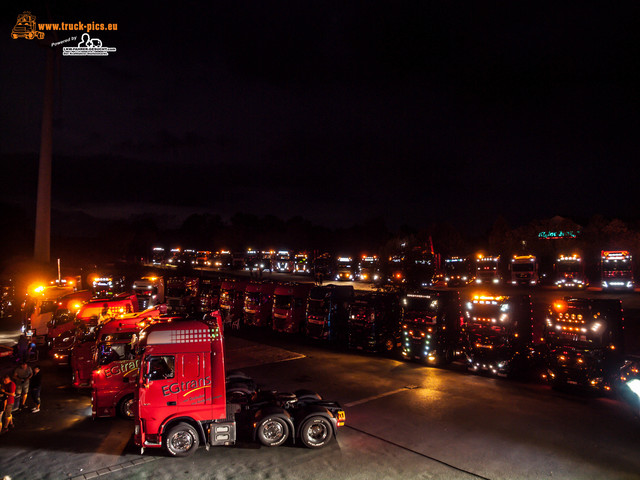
338 112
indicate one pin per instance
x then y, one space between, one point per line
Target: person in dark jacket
35 384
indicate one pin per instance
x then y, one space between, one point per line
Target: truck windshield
523 267
456 267
568 267
252 298
283 301
617 266
176 291
422 309
112 352
48 306
318 307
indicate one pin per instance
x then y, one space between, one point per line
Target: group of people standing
15 391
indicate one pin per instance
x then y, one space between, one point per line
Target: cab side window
161 367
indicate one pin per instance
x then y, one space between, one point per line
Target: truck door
195 386
161 388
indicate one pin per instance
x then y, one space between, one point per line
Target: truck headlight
634 386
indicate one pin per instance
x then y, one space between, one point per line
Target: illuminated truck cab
369 269
570 272
232 301
64 316
431 321
328 312
258 304
617 270
345 269
289 307
457 271
209 295
182 294
374 322
585 338
524 270
487 271
501 335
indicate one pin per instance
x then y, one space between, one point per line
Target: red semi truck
232 301
181 397
114 366
258 303
290 306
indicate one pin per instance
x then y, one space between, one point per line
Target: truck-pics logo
123 368
187 387
25 27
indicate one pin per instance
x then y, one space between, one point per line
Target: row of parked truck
166 371
417 267
579 342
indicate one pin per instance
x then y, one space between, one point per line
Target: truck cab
258 304
289 307
232 301
64 316
40 306
501 336
149 291
327 313
374 322
182 294
569 271
487 271
524 270
209 295
368 269
345 270
181 397
283 262
585 340
115 366
430 326
301 264
617 270
458 271
107 286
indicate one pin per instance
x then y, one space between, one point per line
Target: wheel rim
181 441
127 408
317 432
273 431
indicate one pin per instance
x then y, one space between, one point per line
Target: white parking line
376 397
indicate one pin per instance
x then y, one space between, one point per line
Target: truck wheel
126 407
181 441
273 431
316 432
388 345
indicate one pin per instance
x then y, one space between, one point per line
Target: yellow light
76 306
39 289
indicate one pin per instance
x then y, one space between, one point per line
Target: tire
388 345
126 407
316 432
181 440
273 431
